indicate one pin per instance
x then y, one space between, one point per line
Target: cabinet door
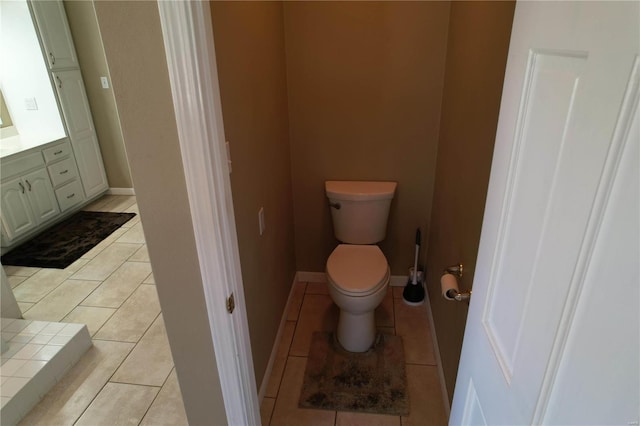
51 20
41 196
17 217
77 115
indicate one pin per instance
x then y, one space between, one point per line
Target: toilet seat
357 270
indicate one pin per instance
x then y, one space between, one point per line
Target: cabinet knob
71 196
28 185
64 172
53 58
57 152
21 186
59 82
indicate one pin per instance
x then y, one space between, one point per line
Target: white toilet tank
360 209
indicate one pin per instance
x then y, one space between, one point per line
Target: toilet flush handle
334 205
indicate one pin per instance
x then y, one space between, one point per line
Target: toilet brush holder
413 294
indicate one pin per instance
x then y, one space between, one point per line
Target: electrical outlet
261 220
31 104
105 82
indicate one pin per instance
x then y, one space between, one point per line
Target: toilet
357 270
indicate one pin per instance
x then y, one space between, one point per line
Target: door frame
189 47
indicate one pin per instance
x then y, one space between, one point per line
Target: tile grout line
117 368
103 386
45 295
105 321
111 273
134 343
116 311
157 394
110 307
304 295
286 357
63 315
286 362
284 368
420 365
106 247
139 384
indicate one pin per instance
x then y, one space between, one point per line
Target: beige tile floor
312 310
127 377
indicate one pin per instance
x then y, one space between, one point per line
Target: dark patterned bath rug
64 243
374 381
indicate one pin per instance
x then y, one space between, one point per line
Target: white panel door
51 20
565 152
77 115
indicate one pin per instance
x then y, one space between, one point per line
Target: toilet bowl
357 270
358 277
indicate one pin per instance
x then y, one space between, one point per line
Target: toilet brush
413 293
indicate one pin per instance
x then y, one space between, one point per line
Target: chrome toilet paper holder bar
452 294
459 297
456 270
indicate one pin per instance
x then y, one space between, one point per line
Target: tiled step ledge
39 354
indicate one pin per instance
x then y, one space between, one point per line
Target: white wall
23 75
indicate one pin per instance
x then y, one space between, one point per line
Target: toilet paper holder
456 270
453 294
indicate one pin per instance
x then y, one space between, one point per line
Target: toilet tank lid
359 190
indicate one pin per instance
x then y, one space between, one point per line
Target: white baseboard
398 280
436 350
321 277
276 343
312 277
121 191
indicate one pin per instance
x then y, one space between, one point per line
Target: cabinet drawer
20 164
62 171
56 152
69 195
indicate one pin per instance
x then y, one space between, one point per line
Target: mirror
25 84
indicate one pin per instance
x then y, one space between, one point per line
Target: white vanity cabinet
41 195
28 198
55 36
39 187
53 28
17 216
63 172
77 116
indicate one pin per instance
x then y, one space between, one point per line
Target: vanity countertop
21 143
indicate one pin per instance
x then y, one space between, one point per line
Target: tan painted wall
135 51
249 44
479 35
86 36
365 85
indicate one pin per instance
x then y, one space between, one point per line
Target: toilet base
356 332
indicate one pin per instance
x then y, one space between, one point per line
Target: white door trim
188 40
